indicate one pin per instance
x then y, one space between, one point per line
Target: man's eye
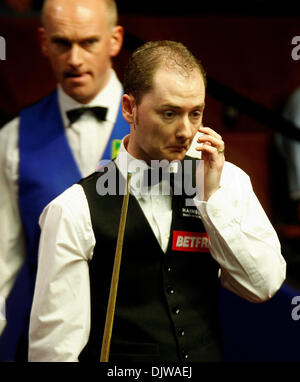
196 114
61 43
89 43
169 114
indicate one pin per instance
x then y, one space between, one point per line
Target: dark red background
250 54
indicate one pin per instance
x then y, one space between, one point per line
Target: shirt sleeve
60 315
242 239
12 241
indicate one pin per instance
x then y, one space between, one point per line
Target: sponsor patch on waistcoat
190 241
190 212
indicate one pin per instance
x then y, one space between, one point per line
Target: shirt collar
109 97
127 163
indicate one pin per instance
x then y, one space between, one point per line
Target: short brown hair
151 56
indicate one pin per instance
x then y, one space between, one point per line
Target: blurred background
245 47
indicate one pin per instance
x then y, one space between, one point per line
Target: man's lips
76 75
178 148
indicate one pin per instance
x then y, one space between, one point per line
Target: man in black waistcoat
183 232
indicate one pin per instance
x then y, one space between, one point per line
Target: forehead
75 17
171 86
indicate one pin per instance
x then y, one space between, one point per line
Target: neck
135 151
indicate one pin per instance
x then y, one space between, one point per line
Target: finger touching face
210 142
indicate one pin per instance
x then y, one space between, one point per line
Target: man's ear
128 108
117 37
43 41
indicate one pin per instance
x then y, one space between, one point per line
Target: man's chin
79 94
173 156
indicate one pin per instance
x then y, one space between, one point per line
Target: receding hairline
153 56
110 4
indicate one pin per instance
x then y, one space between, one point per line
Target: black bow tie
153 176
181 182
99 111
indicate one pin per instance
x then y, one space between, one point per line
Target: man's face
168 116
79 42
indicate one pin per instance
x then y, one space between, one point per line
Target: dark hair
147 59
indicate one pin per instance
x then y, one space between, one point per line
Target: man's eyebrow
66 39
59 38
92 37
167 105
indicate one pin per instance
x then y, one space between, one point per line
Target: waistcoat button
181 332
185 355
170 290
168 268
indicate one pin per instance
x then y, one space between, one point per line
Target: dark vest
167 302
47 168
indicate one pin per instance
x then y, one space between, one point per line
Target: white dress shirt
87 138
242 241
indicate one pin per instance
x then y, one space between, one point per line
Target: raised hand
212 147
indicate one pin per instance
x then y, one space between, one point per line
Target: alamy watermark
296 50
296 310
2 49
174 178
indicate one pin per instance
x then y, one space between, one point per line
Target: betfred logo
190 241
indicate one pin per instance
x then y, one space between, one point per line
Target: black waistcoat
167 302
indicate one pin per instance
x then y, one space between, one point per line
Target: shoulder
71 205
92 178
234 177
106 168
66 221
10 128
9 137
233 169
9 133
71 197
40 102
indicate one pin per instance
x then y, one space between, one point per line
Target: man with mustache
166 308
54 143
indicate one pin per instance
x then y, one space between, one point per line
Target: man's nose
75 55
185 129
